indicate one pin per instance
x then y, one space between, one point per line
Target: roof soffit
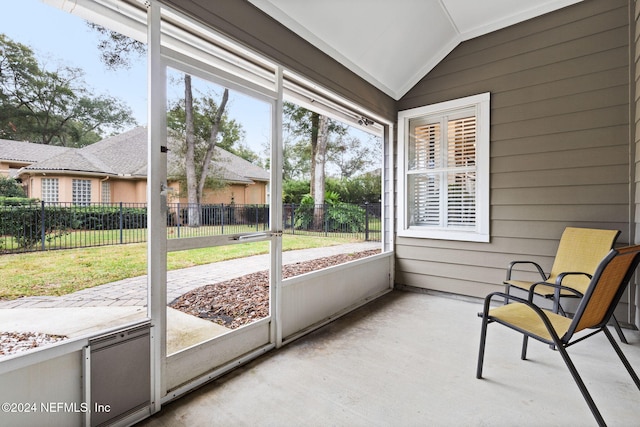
393 45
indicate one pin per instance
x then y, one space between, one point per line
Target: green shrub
336 216
16 201
346 218
23 220
10 188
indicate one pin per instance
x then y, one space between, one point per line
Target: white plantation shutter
441 175
425 152
461 200
461 144
426 199
461 160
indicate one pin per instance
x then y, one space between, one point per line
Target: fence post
293 218
326 220
121 225
178 218
366 221
257 225
222 218
42 227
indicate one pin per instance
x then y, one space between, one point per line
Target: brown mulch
16 342
242 300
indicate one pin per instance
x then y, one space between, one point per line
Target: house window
444 159
50 190
106 192
81 192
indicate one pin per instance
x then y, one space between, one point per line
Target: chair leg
618 329
580 384
507 288
525 341
622 357
483 341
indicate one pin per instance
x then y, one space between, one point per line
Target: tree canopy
349 155
52 106
201 124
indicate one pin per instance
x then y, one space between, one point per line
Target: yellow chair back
598 301
581 250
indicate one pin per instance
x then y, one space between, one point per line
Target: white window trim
481 103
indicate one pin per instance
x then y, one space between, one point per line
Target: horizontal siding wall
559 141
634 312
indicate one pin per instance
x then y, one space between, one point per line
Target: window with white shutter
444 156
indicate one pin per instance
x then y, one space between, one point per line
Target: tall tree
319 164
201 125
318 129
195 182
52 107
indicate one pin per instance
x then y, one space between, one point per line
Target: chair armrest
561 276
507 297
556 285
540 312
536 265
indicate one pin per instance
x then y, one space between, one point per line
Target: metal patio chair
596 307
580 250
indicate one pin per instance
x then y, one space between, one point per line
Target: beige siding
128 191
559 141
634 294
240 194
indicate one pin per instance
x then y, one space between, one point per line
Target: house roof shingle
124 155
27 152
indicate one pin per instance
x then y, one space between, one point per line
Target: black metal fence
48 226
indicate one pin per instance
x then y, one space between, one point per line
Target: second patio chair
596 307
580 250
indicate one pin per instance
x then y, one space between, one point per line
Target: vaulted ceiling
394 43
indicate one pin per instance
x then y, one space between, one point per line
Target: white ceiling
394 43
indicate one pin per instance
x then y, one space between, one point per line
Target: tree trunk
190 162
213 139
315 123
318 178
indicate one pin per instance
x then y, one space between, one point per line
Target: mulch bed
16 342
242 300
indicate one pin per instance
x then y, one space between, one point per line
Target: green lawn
64 271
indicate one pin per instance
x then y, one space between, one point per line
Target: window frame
105 191
81 192
50 190
480 103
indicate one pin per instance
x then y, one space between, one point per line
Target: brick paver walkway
133 291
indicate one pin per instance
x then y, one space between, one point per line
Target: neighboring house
115 170
15 155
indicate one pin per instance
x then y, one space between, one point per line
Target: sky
57 37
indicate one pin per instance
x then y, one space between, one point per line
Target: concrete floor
409 359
